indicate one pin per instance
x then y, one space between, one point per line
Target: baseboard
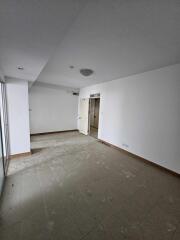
140 158
25 154
45 133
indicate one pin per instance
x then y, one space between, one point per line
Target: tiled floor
94 132
74 187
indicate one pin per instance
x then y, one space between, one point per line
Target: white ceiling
115 38
30 31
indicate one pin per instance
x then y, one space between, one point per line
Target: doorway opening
94 105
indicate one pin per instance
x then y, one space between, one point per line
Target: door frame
80 116
93 96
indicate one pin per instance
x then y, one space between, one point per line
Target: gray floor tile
74 187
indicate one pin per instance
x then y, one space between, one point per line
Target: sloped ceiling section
117 38
54 39
30 31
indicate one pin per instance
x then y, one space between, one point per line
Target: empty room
90 120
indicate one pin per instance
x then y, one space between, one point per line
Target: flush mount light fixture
86 72
20 68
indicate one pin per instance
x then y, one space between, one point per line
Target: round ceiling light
20 68
86 72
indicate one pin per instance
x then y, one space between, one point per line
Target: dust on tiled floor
74 187
94 132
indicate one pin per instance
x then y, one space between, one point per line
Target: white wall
141 114
52 109
18 116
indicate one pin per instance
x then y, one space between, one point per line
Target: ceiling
30 31
114 38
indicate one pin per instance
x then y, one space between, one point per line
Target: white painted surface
84 115
141 114
116 38
18 116
30 31
52 109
